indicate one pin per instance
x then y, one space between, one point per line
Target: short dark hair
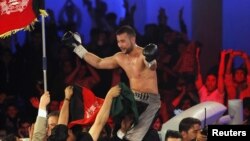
59 133
187 123
172 134
244 70
84 136
53 114
126 29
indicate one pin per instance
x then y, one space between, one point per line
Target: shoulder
140 48
85 136
203 89
119 55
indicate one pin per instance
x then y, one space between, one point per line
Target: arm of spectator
104 112
129 13
230 62
247 63
40 124
221 71
198 82
178 99
69 80
194 97
64 113
228 81
183 26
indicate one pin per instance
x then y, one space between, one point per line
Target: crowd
180 84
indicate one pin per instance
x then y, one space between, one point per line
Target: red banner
92 105
15 15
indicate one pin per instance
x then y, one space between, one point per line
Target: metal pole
44 55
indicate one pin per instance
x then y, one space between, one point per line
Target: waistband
144 95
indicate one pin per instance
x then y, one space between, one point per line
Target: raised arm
247 63
221 71
104 112
178 99
64 113
230 62
246 58
40 124
74 40
182 24
69 80
150 52
198 82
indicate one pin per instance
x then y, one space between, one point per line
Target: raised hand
44 100
74 41
68 92
114 91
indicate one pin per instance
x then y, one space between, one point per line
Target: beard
127 51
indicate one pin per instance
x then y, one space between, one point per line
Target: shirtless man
140 67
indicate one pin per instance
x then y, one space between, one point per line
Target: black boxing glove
150 52
74 40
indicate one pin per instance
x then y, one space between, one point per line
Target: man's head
12 111
52 121
172 135
189 127
126 37
240 75
24 128
211 82
59 133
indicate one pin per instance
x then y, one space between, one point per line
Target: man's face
192 132
125 42
52 122
24 129
12 111
173 139
211 83
239 76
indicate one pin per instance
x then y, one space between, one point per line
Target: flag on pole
84 110
16 15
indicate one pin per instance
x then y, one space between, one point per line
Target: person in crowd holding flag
140 66
60 131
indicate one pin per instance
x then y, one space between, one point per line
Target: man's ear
183 134
133 39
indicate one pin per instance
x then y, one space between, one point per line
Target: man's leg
145 119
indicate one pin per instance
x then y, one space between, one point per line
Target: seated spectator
213 89
172 135
190 129
237 82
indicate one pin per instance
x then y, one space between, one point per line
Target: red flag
92 105
15 15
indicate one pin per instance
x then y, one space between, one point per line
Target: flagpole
44 55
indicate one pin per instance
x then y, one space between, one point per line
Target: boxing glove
150 52
74 41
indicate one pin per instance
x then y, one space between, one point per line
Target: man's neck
134 51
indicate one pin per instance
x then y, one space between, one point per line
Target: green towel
124 104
